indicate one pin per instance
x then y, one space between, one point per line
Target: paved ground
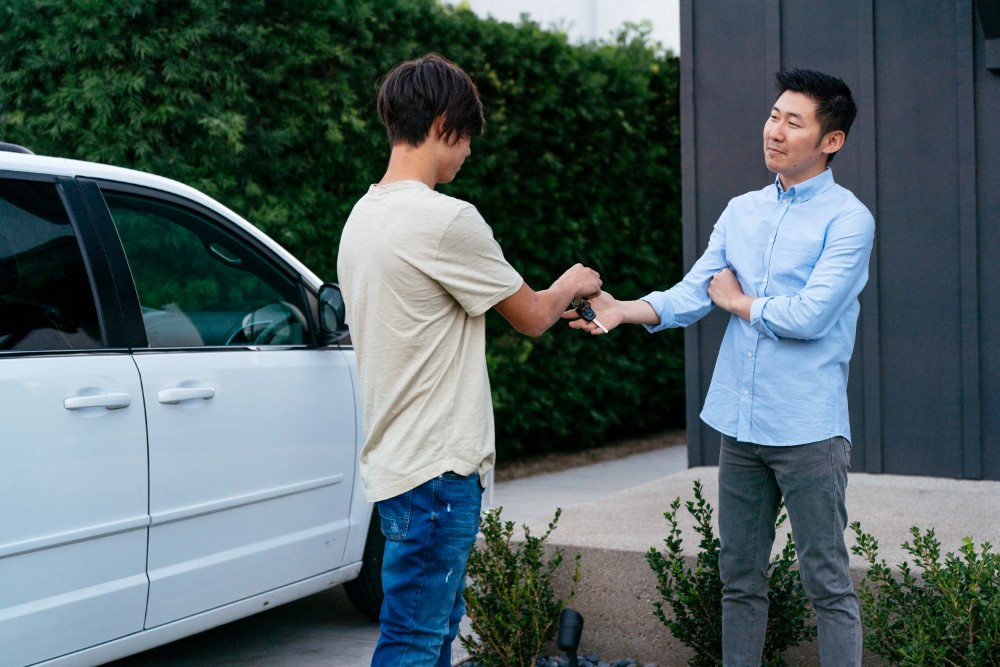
324 629
613 513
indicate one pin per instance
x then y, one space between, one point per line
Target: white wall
584 20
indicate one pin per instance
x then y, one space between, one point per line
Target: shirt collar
805 190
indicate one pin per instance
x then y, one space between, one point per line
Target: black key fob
585 311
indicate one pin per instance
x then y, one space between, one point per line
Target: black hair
835 107
416 92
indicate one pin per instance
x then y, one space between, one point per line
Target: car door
251 427
73 485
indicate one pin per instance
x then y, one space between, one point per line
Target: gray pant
812 478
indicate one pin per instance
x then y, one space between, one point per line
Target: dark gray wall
924 156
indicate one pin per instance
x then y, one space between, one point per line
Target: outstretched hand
608 313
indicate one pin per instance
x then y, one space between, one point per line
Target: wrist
638 312
740 305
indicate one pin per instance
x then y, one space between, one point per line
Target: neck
791 181
410 163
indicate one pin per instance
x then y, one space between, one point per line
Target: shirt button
746 392
749 355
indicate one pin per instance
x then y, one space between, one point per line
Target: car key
584 310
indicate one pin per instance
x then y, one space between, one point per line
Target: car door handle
111 401
178 394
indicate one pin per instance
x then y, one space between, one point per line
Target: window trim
107 235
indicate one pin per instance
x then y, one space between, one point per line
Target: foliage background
269 108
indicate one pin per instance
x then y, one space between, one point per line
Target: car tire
365 592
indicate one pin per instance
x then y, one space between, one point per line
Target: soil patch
506 471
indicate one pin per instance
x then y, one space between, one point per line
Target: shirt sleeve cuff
661 306
757 317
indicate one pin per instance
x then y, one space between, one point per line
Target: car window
46 299
198 284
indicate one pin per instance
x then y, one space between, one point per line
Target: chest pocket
792 262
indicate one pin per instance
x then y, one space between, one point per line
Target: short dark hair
416 92
835 107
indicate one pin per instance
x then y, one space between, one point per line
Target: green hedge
269 107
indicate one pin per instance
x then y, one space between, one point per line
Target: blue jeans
429 532
812 478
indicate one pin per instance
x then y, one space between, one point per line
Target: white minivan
180 418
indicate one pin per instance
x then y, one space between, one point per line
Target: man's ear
437 127
833 141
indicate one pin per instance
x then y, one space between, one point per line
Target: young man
788 262
419 270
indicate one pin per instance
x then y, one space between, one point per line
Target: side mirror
332 314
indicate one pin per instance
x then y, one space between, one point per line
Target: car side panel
250 489
73 505
190 625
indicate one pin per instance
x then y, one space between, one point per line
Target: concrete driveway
325 629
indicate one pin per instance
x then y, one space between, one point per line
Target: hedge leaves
269 107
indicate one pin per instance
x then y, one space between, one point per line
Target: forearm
548 306
532 313
639 312
739 305
834 284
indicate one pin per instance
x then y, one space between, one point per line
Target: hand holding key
613 312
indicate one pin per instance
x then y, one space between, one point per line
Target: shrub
695 596
511 598
947 614
270 108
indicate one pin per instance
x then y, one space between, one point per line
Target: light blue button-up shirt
781 378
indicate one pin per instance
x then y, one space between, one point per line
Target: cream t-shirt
419 270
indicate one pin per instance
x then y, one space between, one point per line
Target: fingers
593 285
586 327
589 327
588 281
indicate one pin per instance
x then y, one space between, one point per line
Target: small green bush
695 596
511 599
945 615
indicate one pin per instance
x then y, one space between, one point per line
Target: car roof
39 164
